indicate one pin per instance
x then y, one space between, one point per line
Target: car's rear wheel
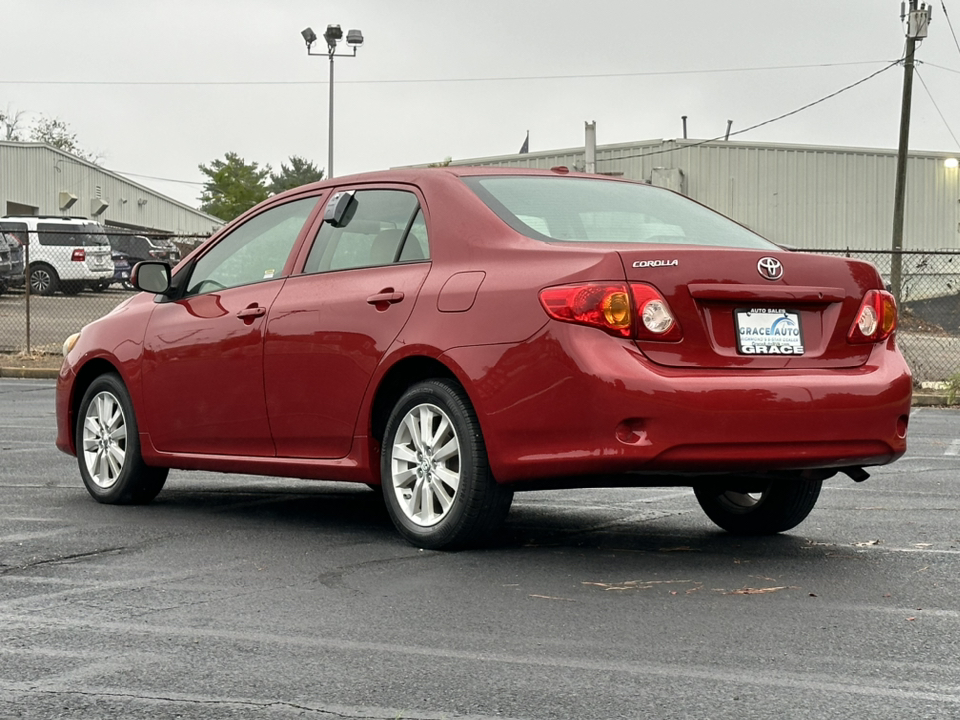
780 506
108 447
437 482
43 280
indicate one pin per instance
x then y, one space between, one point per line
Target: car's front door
203 353
331 324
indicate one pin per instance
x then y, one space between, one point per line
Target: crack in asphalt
63 558
227 702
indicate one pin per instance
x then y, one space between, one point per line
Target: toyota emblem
770 268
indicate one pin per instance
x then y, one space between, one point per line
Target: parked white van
65 253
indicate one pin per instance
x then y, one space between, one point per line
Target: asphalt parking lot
233 596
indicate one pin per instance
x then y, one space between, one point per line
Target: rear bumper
574 402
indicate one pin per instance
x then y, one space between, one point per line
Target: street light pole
333 35
330 121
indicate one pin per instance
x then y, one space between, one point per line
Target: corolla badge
770 268
655 263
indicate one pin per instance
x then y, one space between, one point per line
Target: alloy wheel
104 440
40 281
425 465
738 500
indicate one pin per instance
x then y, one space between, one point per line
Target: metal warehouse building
808 197
38 179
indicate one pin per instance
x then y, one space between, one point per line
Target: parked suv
11 262
65 253
139 248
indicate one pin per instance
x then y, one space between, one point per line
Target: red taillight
876 319
79 255
601 305
638 311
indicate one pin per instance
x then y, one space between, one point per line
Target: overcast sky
462 78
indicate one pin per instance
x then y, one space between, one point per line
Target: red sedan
457 334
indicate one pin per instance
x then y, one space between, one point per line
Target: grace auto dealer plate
768 331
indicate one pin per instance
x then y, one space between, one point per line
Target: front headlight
69 343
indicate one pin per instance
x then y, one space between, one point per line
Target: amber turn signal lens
616 309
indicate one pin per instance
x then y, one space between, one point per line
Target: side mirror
337 211
152 277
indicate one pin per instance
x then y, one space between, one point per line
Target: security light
951 162
333 34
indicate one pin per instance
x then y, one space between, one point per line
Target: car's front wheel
108 447
777 507
437 483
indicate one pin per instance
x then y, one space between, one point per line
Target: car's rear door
332 322
203 353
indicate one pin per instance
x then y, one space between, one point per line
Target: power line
950 25
227 83
154 177
765 122
929 95
939 67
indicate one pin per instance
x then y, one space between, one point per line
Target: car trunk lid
747 308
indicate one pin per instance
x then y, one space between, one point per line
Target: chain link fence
78 274
928 335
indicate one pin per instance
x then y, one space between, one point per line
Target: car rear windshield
71 234
605 211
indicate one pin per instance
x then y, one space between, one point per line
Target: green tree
300 172
444 163
56 132
234 186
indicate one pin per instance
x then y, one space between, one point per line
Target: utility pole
917 21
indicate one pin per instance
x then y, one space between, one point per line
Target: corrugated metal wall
797 195
35 175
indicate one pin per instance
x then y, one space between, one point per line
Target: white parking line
953 449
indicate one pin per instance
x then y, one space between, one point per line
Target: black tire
107 430
783 505
417 473
43 279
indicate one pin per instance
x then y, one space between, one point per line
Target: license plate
768 331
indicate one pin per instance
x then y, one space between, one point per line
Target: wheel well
401 376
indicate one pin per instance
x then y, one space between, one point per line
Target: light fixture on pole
332 35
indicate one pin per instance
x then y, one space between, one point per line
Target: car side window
255 251
416 245
18 230
376 230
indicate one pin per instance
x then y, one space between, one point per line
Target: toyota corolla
453 335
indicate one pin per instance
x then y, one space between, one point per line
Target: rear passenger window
71 234
380 227
17 229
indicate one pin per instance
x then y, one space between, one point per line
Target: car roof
418 175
